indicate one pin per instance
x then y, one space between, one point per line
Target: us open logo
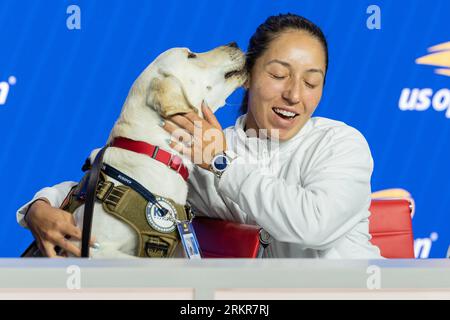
4 89
438 57
157 221
421 99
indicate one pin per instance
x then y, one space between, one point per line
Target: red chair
389 224
226 239
391 228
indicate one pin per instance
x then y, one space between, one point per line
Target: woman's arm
50 225
333 198
54 195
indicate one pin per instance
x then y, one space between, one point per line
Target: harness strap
136 186
91 188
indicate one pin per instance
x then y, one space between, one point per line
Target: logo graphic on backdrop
4 89
422 246
422 99
439 57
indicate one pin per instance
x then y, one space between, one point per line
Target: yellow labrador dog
175 82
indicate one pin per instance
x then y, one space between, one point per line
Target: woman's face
285 84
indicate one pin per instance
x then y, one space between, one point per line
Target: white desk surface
224 279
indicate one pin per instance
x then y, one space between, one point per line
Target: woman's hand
197 138
50 226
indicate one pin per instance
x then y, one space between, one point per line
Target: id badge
189 240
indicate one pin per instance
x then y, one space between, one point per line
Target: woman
310 192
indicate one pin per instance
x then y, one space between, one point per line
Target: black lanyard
136 186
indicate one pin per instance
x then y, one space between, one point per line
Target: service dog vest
157 234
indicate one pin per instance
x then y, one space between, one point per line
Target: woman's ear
246 84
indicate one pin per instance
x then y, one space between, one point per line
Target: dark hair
270 30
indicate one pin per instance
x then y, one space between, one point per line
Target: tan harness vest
131 207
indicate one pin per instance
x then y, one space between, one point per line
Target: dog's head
179 79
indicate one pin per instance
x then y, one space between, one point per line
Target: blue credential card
189 240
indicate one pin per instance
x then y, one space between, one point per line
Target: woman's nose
293 92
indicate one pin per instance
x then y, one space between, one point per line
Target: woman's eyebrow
284 63
316 70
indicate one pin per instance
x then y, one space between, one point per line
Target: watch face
220 162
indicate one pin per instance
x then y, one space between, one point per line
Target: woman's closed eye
310 85
277 75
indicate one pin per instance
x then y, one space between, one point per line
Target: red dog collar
172 161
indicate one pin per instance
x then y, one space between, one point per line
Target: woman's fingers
69 217
71 231
184 122
204 137
63 230
181 148
209 116
93 241
178 134
48 249
195 119
69 247
53 227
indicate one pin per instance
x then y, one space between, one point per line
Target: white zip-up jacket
311 193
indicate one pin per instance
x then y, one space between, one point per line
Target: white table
224 279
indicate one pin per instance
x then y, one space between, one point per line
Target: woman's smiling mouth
285 114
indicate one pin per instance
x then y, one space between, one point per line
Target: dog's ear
166 96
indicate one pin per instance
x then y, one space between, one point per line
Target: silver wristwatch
221 162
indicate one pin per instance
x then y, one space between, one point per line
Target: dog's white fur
173 83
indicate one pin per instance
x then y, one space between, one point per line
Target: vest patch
158 222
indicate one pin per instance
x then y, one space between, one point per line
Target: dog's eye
191 55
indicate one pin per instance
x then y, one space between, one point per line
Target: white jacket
311 193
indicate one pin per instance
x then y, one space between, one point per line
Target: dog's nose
233 45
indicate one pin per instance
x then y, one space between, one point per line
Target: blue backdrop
54 80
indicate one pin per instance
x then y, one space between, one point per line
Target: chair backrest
391 228
389 224
226 239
